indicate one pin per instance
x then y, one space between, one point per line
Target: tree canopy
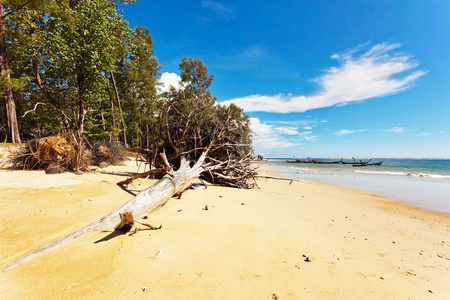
77 66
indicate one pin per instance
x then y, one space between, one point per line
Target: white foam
426 175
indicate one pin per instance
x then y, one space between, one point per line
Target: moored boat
356 162
377 163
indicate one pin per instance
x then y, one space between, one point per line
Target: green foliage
73 45
137 77
62 55
190 120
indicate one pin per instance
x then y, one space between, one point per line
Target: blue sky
318 78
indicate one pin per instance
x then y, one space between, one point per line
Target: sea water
421 182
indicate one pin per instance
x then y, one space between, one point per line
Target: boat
377 163
292 161
359 165
313 161
355 162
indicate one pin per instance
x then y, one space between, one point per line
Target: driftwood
126 222
145 202
142 175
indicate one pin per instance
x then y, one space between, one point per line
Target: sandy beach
285 240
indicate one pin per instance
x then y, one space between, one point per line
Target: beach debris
142 204
179 210
150 226
143 175
382 277
91 199
54 169
430 291
242 203
275 297
157 254
126 222
144 288
103 165
307 259
58 153
205 208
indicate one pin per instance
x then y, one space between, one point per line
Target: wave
412 174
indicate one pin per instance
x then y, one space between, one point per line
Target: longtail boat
356 162
313 161
378 163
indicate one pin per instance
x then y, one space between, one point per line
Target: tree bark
112 104
54 101
120 110
144 203
12 128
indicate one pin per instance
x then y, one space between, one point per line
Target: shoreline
249 244
423 193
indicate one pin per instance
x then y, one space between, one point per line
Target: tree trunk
12 127
120 110
144 203
54 101
112 105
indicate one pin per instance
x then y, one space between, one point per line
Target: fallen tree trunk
144 203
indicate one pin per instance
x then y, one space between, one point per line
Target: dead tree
195 140
144 203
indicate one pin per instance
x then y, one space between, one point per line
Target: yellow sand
249 244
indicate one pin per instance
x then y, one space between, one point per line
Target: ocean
424 183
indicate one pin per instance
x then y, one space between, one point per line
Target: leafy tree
137 80
71 45
190 121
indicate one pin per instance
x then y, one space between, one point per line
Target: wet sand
299 240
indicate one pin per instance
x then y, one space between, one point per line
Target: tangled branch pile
37 154
104 151
62 151
188 122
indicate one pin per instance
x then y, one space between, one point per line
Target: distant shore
424 192
292 240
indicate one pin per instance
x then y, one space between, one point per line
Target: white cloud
375 73
311 138
424 134
397 129
345 131
305 133
307 127
167 80
223 11
268 136
287 130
